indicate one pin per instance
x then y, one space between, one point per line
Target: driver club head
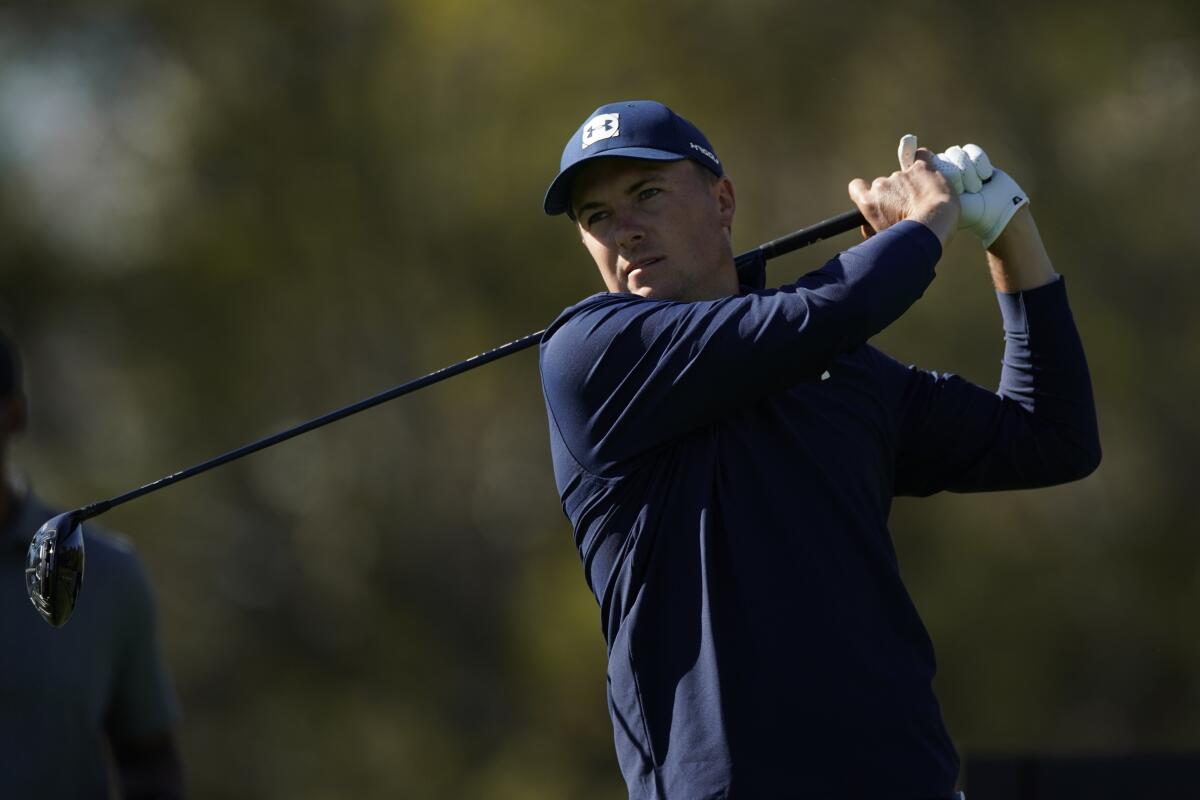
54 567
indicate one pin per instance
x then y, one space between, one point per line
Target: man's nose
630 228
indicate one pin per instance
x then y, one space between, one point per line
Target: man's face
658 229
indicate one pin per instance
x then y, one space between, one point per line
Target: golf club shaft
812 234
785 244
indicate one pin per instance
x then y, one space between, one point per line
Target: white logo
601 126
825 375
706 151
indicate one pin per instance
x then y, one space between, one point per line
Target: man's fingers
931 159
907 150
858 190
983 164
924 154
959 158
951 172
860 193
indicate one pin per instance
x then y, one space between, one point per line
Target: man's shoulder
600 301
114 568
115 545
102 544
580 330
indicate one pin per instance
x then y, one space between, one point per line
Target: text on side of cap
601 126
706 152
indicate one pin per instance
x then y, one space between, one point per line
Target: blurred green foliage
219 219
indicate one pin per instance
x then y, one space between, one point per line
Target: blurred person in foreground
727 455
93 695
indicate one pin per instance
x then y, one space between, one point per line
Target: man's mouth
640 264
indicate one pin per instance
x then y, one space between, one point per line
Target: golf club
54 564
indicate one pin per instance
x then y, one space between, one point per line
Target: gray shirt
64 691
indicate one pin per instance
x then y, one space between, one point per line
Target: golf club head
54 567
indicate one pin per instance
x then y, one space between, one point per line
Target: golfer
727 456
92 705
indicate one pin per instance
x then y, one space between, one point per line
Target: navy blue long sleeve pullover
728 467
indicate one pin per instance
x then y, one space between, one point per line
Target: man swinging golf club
727 456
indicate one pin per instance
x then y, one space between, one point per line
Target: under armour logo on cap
601 126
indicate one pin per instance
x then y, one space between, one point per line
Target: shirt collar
752 271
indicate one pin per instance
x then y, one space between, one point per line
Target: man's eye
592 219
646 194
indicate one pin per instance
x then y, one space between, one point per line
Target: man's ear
726 201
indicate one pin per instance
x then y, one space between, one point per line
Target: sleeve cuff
1040 304
920 237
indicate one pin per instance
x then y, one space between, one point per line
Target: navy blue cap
631 129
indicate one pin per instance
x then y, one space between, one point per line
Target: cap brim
558 196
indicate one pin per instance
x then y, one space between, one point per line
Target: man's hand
996 210
917 192
989 197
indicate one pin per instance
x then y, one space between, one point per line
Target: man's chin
652 292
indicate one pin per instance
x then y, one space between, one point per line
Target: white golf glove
989 197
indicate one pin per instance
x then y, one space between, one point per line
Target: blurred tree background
220 219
